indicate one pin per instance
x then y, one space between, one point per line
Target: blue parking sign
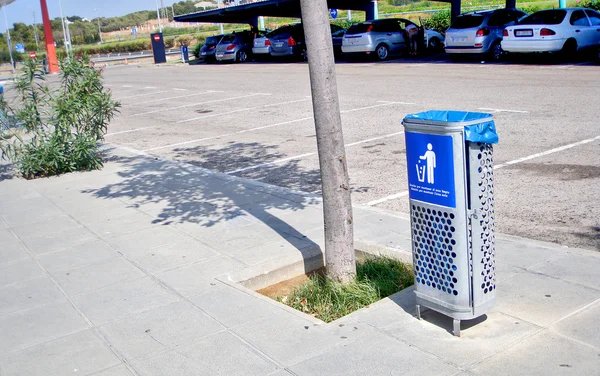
333 13
430 167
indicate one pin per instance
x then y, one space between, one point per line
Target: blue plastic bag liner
482 132
479 126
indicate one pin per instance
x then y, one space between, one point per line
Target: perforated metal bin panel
482 226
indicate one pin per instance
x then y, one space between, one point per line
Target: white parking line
252 129
208 116
177 89
387 198
184 96
497 167
139 95
193 104
499 110
547 152
307 154
242 109
127 86
150 87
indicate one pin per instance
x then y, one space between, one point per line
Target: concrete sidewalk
147 268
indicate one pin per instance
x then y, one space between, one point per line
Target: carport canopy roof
269 8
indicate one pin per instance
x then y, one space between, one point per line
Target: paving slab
198 278
80 353
544 354
80 255
541 299
123 300
241 307
159 330
219 354
39 245
581 325
27 294
96 276
18 271
12 249
39 324
182 251
580 269
291 339
120 370
374 355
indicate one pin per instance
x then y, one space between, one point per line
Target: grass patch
376 278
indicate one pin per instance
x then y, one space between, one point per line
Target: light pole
35 31
8 41
99 29
62 19
158 17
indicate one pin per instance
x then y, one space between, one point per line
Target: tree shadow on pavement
239 159
6 172
179 194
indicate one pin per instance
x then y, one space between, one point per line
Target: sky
22 10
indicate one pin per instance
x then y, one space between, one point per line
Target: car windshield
467 21
358 28
228 39
545 17
212 40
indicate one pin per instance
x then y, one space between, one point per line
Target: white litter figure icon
429 159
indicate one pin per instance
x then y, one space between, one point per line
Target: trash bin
185 56
451 191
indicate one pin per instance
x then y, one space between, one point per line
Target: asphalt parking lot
255 121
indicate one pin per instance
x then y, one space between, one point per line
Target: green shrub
438 21
52 132
592 4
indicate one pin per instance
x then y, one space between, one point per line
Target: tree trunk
337 205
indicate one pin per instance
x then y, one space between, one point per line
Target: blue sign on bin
430 161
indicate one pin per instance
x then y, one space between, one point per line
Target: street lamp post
99 29
8 41
158 17
62 19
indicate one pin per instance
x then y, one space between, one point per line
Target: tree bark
337 205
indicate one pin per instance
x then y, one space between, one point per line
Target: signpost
20 48
32 55
333 13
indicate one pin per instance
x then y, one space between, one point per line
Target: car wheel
434 44
569 49
496 51
241 57
382 52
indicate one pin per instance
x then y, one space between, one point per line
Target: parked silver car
480 32
381 37
207 51
387 36
262 45
235 47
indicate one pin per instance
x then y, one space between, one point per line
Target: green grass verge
376 278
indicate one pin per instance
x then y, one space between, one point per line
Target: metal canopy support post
511 4
562 3
50 49
455 9
372 11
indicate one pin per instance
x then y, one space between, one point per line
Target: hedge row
137 45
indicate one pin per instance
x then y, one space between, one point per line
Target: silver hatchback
480 32
381 37
235 47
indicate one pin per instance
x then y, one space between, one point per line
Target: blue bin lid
447 117
478 126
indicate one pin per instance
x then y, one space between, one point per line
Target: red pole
50 49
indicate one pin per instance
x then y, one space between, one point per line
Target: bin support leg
419 311
456 327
